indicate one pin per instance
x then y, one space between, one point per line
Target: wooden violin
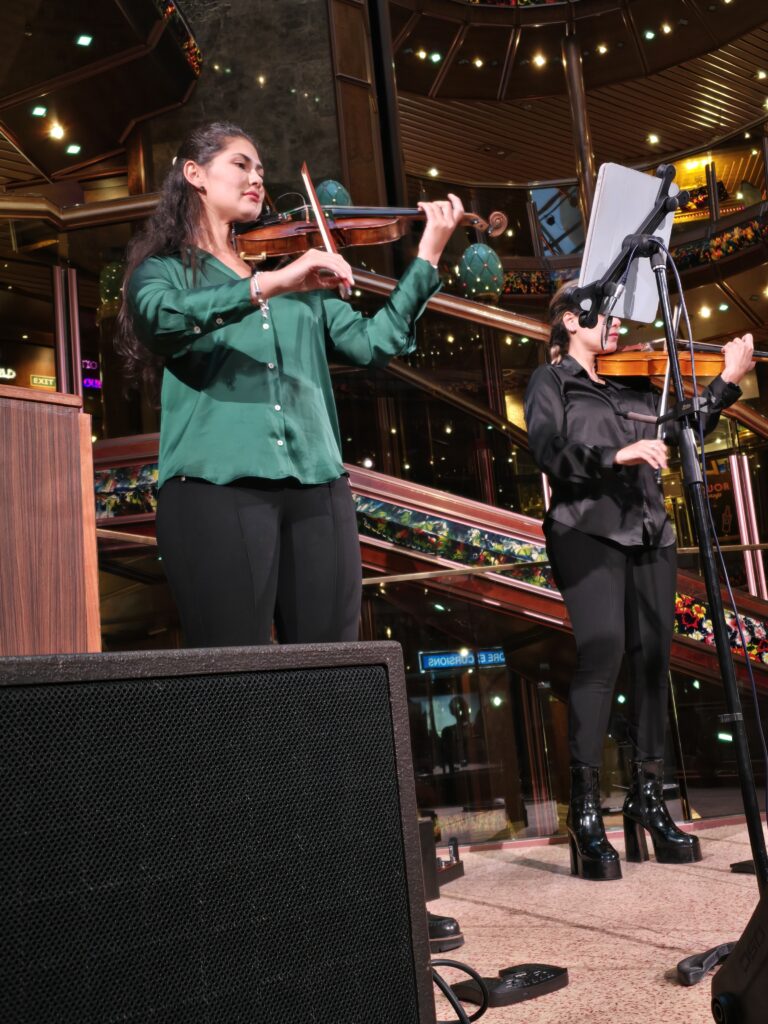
629 362
290 234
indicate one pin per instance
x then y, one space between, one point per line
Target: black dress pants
619 599
239 556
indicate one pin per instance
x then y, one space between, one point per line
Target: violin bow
322 222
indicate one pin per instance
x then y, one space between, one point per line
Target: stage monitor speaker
740 986
224 836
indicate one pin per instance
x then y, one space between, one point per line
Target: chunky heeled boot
644 808
592 856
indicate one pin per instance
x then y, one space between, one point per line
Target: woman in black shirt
613 556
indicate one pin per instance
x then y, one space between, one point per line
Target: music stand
639 243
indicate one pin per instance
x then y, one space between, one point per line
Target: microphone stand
645 245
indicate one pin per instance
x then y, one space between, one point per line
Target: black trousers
619 599
239 556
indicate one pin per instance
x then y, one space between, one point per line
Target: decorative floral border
466 545
692 620
132 490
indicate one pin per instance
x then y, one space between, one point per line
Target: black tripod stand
645 244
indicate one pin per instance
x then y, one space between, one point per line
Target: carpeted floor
620 941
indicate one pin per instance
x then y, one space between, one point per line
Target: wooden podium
49 588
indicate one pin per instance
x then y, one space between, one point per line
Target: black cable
450 995
720 555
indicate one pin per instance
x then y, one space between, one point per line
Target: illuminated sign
6 373
91 382
37 381
491 656
89 364
436 661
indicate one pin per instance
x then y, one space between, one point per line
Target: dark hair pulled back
562 302
175 226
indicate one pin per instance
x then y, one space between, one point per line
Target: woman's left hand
738 358
443 217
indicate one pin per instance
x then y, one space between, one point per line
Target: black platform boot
592 856
644 808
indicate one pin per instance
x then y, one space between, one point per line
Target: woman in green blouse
255 517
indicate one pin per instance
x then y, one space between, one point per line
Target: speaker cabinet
222 836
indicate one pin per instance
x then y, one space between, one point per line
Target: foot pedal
514 984
691 970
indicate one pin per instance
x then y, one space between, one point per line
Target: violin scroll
497 223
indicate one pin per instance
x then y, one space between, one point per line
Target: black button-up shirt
576 426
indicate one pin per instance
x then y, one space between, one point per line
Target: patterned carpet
620 940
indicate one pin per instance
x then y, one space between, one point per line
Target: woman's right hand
652 452
315 269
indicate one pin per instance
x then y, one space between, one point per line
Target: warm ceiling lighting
602 48
765 292
747 135
653 139
262 79
666 28
56 132
539 60
74 149
39 111
421 54
754 152
433 172
84 40
478 62
760 75
706 312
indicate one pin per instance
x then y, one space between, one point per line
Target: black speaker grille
203 850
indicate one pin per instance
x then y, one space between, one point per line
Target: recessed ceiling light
754 152
765 292
739 195
653 139
723 307
658 323
56 132
433 172
84 40
478 62
649 34
760 74
24 337
39 111
421 54
602 48
666 28
74 149
747 135
435 57
262 79
539 60
706 312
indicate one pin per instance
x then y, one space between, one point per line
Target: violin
708 361
293 233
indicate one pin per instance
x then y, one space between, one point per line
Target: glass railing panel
558 214
708 747
28 253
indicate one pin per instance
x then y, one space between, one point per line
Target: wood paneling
48 588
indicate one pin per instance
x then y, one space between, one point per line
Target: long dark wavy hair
176 226
562 302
